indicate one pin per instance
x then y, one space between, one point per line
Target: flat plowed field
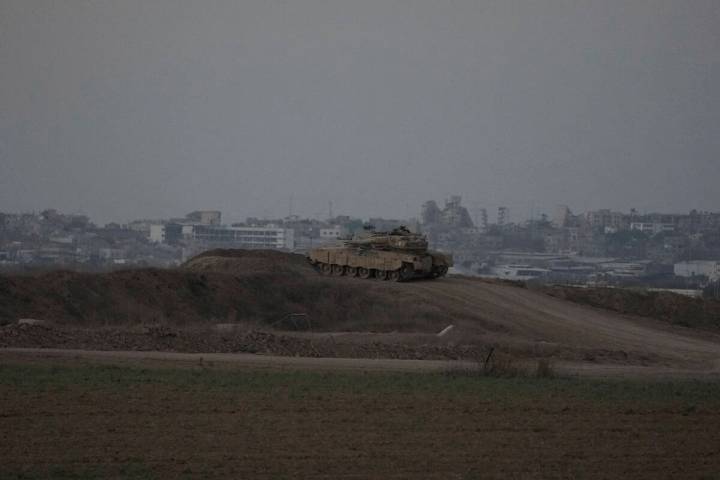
85 421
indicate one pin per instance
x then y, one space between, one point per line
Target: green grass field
46 378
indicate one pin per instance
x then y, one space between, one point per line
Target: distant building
170 233
562 216
245 237
652 228
142 226
333 232
606 218
503 216
693 268
157 233
204 217
624 269
454 215
430 214
483 219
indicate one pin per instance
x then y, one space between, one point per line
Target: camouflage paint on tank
397 255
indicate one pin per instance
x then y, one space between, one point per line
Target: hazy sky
152 108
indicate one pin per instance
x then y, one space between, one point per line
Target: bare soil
90 422
668 306
204 340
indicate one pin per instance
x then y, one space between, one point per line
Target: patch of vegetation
130 471
540 384
502 365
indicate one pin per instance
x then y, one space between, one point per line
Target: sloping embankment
215 287
667 306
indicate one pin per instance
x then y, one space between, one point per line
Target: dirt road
228 360
519 314
244 361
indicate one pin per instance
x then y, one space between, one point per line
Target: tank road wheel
438 272
380 274
363 272
393 275
337 270
351 271
406 273
326 268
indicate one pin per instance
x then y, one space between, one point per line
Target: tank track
399 275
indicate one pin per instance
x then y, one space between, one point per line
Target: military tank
398 256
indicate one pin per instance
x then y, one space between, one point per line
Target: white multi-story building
245 237
157 233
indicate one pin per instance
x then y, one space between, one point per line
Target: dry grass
500 364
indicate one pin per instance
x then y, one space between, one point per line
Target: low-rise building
652 228
331 233
695 268
625 269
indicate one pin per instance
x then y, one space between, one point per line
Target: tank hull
379 264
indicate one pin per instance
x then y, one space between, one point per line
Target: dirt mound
249 262
219 286
667 306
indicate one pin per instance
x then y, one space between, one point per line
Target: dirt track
245 361
228 360
518 314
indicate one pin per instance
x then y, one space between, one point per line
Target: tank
398 256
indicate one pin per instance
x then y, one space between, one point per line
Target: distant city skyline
474 214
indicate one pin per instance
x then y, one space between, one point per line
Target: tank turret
398 239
